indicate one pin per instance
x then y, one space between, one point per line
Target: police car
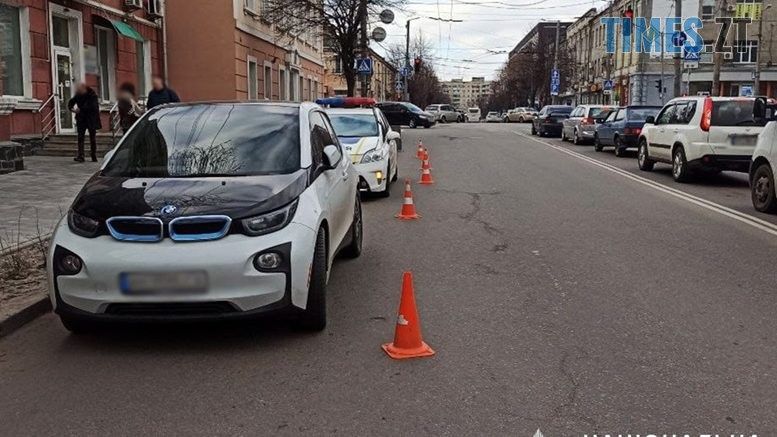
209 211
369 140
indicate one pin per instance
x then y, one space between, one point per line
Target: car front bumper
369 174
235 287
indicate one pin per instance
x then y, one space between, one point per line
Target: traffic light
418 63
659 85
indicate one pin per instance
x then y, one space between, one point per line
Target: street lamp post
406 97
757 74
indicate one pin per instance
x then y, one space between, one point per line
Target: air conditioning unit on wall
156 8
133 5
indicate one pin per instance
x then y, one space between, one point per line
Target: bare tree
337 21
424 86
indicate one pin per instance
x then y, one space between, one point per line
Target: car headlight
82 225
373 155
270 222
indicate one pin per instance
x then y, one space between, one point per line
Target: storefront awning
126 29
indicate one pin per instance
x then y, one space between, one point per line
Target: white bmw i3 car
371 144
209 210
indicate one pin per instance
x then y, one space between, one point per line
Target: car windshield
734 113
354 125
432 108
560 110
210 140
641 114
474 111
493 113
413 108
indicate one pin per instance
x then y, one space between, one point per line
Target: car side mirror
332 156
650 120
393 135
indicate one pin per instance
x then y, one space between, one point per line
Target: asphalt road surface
559 293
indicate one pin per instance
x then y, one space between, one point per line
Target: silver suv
443 113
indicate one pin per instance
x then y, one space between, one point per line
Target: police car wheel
387 191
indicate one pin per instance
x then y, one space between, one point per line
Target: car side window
678 114
611 117
319 138
685 116
666 114
620 115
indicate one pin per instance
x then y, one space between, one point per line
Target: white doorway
67 63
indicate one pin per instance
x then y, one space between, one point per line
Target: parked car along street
581 125
273 206
370 144
701 134
443 113
493 117
473 115
407 114
521 115
622 128
550 119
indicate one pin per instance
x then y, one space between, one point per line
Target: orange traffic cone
426 177
420 153
426 165
407 335
408 208
425 154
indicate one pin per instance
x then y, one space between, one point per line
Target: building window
338 67
707 9
315 90
311 97
253 79
268 82
143 67
106 62
746 52
11 64
252 7
60 27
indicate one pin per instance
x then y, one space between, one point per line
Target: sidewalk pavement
41 194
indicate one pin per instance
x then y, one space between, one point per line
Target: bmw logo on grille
168 210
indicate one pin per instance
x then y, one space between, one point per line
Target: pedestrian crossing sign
364 66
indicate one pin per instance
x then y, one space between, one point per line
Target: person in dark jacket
86 105
129 110
161 94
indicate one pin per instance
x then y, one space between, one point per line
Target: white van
473 115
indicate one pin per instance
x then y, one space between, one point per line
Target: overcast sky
477 46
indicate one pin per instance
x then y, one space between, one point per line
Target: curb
26 315
24 244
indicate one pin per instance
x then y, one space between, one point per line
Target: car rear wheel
412 124
313 318
620 151
443 119
533 129
680 171
576 138
520 120
563 134
643 159
762 188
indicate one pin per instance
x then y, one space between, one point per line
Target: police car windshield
354 125
210 140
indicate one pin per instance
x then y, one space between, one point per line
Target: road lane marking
704 203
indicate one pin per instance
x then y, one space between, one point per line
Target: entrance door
64 89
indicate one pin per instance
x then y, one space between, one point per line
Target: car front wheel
597 143
762 189
413 124
387 191
643 159
77 326
356 233
620 151
313 318
443 120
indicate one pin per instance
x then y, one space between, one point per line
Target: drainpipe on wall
164 42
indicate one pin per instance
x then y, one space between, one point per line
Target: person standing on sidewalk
129 110
86 105
160 94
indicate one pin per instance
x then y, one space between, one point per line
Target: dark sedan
549 121
622 128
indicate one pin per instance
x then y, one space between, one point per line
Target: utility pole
364 44
662 86
717 54
678 67
554 99
757 90
407 61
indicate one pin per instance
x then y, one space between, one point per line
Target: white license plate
164 283
744 140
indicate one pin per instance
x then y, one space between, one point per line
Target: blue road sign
555 82
691 56
406 71
607 85
679 38
364 66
